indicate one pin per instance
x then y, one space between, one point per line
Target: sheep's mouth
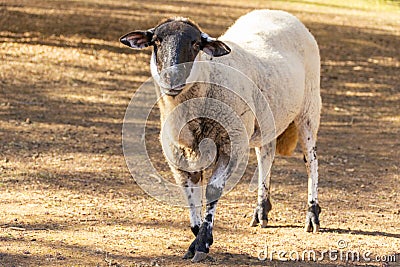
174 91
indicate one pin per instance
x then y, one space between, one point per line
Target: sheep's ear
138 39
213 47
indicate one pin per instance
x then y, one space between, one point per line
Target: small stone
154 263
60 257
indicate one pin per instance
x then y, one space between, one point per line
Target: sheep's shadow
358 232
339 230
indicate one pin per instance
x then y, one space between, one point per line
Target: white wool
282 57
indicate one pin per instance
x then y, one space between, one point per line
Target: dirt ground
67 197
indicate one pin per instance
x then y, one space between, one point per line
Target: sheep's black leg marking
264 204
195 229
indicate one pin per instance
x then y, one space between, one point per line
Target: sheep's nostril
166 76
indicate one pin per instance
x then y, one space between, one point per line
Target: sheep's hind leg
308 137
264 177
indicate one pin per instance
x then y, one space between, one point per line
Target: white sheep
275 51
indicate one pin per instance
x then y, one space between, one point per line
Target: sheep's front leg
308 137
195 199
201 245
264 177
191 183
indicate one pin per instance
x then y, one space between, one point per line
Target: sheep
275 51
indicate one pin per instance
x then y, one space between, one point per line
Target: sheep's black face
176 44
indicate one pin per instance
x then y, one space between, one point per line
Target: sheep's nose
172 78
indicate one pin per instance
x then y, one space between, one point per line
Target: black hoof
199 256
312 218
260 216
191 250
188 255
255 221
200 246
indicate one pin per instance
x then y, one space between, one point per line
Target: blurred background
66 195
